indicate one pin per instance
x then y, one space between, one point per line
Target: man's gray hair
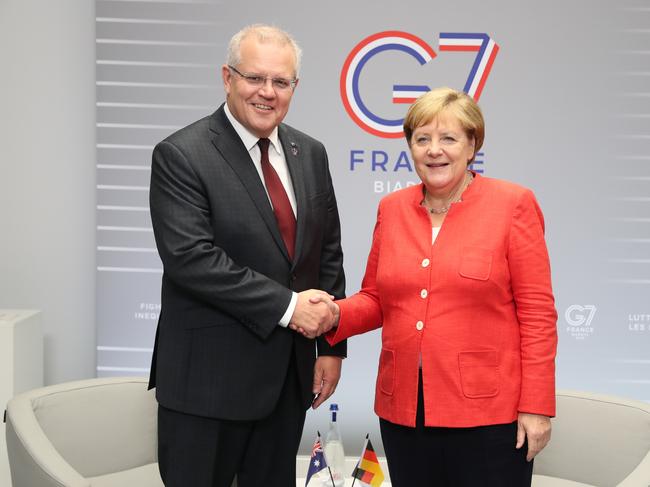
264 33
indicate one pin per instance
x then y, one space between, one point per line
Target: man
245 221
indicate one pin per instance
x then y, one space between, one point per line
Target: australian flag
317 460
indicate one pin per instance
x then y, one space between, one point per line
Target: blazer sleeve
362 312
183 231
530 275
332 277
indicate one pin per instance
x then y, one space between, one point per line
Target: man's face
260 108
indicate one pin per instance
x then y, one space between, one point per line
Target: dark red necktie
279 199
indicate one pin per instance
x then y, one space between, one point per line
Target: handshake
316 313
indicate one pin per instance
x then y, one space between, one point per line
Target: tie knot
264 145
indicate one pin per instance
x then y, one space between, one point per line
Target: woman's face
441 151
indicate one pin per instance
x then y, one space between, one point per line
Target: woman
458 278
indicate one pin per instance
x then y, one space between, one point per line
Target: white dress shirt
279 163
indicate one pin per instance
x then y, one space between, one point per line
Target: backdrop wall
564 91
47 175
567 109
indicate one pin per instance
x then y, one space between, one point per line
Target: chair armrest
33 459
640 476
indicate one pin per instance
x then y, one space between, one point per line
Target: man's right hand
312 316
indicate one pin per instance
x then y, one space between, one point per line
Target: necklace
455 196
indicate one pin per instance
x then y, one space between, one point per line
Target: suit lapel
295 162
228 143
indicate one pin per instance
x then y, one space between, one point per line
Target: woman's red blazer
475 309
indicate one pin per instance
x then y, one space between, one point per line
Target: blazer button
293 277
419 325
425 262
424 293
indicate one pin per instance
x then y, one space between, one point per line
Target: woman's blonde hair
447 101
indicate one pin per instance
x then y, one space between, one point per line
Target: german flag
368 471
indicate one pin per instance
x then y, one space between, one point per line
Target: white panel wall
47 174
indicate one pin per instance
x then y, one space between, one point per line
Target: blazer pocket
475 263
479 373
386 377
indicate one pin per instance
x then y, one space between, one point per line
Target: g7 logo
578 315
486 50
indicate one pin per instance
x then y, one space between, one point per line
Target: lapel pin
294 149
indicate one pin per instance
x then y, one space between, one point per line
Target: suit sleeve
362 312
332 277
531 286
183 231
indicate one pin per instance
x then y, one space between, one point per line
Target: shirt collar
249 139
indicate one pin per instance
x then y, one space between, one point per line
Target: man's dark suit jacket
227 277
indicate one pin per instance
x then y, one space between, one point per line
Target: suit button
293 277
424 293
425 262
419 325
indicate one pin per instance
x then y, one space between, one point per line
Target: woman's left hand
537 429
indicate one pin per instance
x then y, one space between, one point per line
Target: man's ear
226 75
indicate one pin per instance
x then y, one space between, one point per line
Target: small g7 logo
578 315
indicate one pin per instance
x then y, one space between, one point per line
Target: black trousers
206 452
482 456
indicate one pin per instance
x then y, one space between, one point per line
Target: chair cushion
145 476
545 481
100 428
596 439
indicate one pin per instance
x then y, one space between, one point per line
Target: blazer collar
230 146
417 191
247 137
295 157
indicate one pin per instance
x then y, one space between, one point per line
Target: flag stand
368 470
331 476
319 462
354 478
328 467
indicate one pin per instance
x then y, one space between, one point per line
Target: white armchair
597 440
97 432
